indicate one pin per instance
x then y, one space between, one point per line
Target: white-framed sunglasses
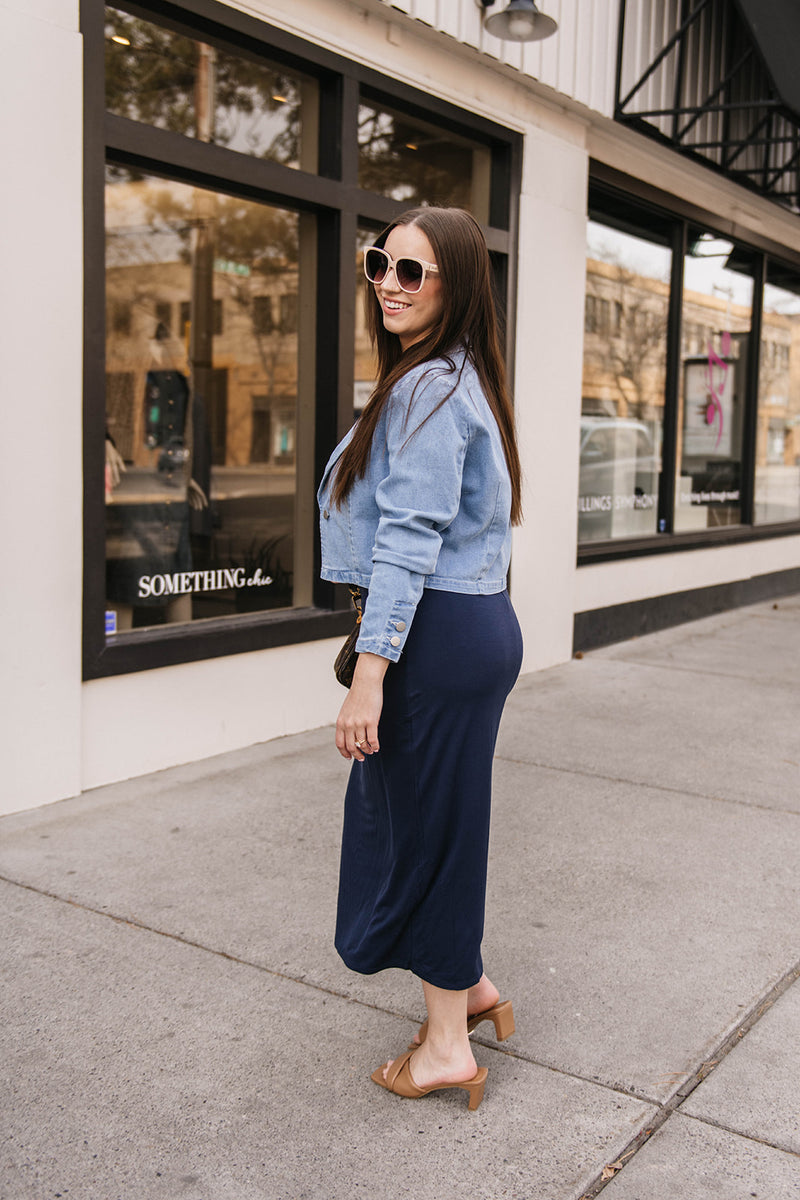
410 273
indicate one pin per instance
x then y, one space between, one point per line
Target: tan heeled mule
501 1015
400 1081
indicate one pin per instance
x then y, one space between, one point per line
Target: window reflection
156 76
203 380
624 369
716 317
777 495
418 162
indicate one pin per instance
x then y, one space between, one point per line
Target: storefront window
204 384
716 318
624 369
156 76
673 438
224 356
417 162
777 493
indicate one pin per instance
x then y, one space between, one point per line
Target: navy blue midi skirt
412 883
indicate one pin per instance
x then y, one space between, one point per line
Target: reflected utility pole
201 332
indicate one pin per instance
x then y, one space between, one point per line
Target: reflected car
619 469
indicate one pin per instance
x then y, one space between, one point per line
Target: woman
416 506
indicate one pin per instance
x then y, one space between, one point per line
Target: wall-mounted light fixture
521 21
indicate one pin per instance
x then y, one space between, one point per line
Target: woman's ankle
482 996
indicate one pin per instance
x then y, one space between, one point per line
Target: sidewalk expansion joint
750 1137
682 1093
134 923
705 674
664 666
642 783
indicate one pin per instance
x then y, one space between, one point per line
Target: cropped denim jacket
432 509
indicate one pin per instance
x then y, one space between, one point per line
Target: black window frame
333 195
615 186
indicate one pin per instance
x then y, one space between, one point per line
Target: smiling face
410 316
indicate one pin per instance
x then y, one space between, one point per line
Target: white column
40 479
552 268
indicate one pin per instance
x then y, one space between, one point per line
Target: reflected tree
639 351
403 160
153 76
632 329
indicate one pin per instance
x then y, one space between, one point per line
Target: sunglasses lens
377 265
409 274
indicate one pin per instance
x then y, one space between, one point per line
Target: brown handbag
345 664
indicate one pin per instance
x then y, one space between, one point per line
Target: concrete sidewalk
177 1024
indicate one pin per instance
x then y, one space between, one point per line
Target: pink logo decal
716 382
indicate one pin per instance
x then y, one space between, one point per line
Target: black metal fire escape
729 68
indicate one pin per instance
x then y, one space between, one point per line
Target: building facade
190 188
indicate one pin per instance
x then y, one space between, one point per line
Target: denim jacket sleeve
417 499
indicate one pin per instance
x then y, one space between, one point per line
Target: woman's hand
357 725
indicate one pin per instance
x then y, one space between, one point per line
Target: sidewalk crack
641 783
738 1133
682 1093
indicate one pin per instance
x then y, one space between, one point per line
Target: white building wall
604 584
61 736
40 481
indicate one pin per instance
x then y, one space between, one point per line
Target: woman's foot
432 1065
396 1077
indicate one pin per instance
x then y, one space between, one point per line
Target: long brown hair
468 319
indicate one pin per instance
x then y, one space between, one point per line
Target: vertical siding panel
425 10
711 125
586 51
626 72
650 17
566 46
663 95
532 58
451 19
597 48
550 48
591 48
666 74
469 24
604 98
656 39
455 17
644 41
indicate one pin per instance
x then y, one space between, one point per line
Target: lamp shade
520 22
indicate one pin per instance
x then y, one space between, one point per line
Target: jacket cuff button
396 641
399 626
